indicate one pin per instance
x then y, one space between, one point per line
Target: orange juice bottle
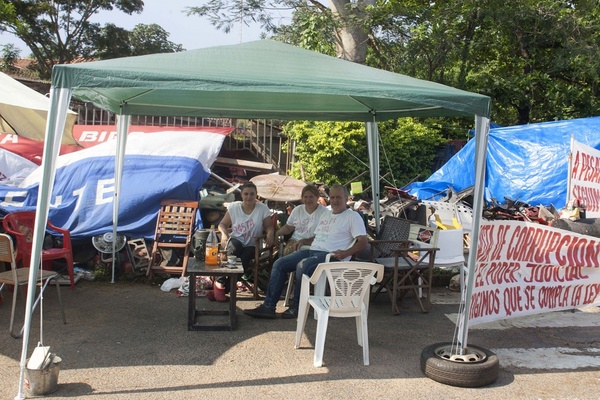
211 256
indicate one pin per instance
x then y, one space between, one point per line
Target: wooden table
195 317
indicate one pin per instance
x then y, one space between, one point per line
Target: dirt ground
130 341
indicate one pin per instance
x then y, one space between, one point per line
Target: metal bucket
40 382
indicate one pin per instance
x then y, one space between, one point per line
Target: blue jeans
282 266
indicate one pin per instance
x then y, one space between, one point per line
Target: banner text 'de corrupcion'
525 268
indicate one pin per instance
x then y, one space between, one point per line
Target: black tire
475 373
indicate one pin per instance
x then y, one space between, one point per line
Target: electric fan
104 243
107 244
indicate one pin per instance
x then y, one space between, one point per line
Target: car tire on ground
479 367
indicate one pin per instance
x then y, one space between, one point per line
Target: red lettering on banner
584 252
478 274
512 300
576 295
537 245
588 195
484 244
553 273
484 303
575 168
501 239
565 241
590 169
552 246
529 297
591 293
553 297
513 246
528 244
502 272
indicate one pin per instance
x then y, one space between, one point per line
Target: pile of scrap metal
571 218
519 211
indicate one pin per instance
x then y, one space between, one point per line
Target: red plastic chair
20 225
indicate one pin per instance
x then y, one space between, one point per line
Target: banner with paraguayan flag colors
170 163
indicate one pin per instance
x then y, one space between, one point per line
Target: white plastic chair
451 252
450 245
292 275
349 283
20 276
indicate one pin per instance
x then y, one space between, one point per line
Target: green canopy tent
261 79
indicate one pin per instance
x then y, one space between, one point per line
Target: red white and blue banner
526 268
584 177
169 163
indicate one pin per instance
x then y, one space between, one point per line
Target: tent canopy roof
24 111
260 79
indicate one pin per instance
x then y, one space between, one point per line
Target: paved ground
130 341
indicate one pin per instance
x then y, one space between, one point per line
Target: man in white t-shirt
335 233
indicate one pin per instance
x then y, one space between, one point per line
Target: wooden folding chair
174 229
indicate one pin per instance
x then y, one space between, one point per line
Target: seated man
336 231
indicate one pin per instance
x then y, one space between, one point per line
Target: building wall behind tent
528 163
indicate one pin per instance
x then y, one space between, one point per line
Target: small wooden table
198 268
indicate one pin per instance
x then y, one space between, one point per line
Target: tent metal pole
373 147
123 122
482 131
55 125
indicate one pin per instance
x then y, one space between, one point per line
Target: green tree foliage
336 151
346 21
537 59
9 53
545 62
58 31
150 39
113 42
310 29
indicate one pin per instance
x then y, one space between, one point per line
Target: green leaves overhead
336 151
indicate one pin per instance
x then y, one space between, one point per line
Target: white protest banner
526 268
585 177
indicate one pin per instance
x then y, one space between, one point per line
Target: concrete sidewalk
130 341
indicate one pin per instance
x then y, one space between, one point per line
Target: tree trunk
351 36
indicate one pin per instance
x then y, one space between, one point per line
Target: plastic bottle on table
212 248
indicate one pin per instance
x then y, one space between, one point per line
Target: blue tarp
528 163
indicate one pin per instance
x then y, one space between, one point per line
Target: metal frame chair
18 277
409 266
